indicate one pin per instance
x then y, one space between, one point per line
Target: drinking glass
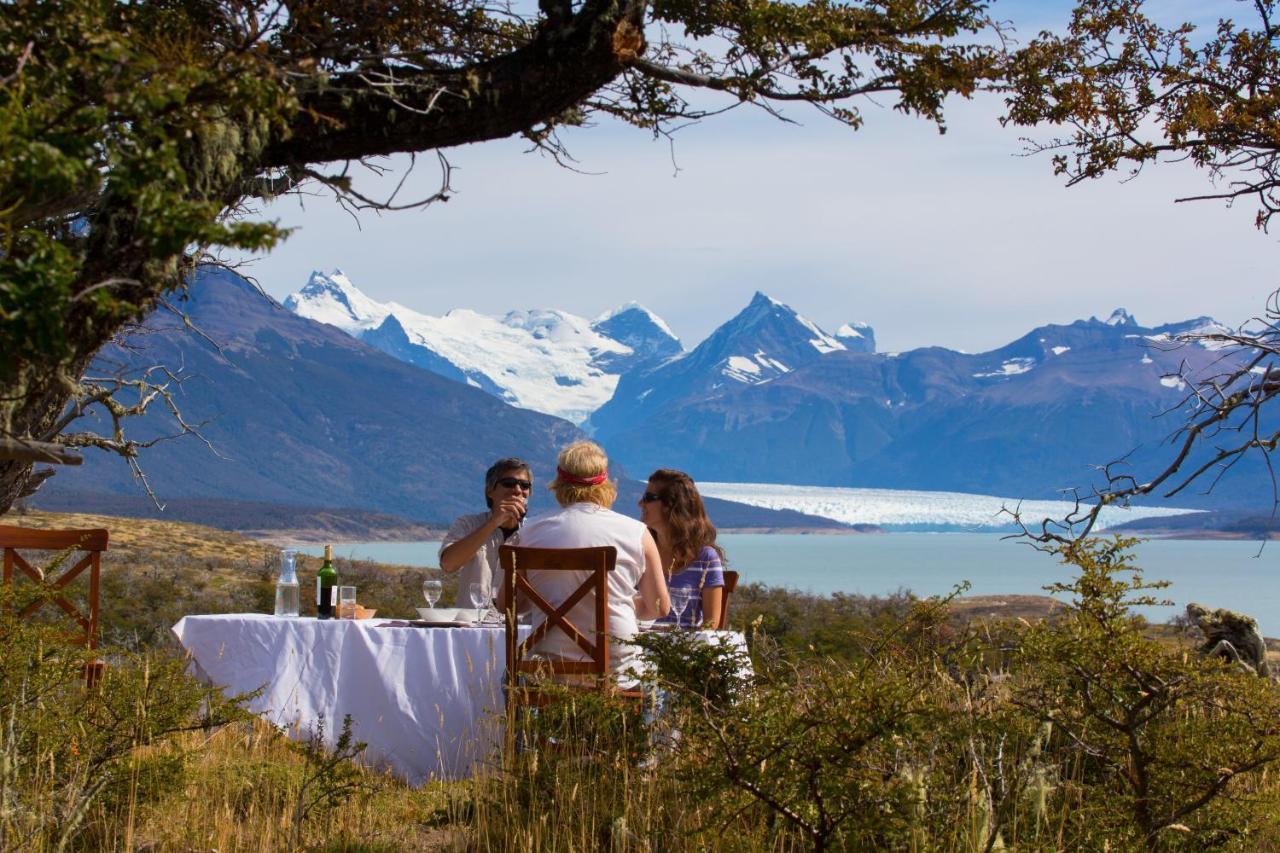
346 602
482 599
431 590
681 598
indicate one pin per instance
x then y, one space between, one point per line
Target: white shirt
482 568
587 525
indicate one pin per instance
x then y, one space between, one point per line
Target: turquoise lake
1228 574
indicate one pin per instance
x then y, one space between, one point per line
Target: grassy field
987 723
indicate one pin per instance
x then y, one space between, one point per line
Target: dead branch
1224 419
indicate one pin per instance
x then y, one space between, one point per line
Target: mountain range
1028 419
300 414
545 360
339 401
770 396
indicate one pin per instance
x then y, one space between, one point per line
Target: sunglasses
650 497
512 482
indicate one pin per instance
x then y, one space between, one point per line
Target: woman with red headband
637 588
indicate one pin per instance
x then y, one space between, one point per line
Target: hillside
256 519
312 432
300 413
1207 525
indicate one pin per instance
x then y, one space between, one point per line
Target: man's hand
508 513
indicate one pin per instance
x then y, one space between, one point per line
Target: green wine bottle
326 586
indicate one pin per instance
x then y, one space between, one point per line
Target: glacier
914 509
541 359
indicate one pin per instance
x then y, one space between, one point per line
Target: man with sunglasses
471 546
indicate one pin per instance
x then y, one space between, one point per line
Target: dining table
427 701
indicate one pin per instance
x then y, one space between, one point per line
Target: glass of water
431 590
346 602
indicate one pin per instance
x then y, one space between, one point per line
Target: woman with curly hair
673 511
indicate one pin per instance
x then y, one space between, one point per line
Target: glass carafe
287 598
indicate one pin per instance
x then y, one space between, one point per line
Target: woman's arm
712 597
653 599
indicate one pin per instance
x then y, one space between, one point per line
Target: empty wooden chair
89 542
730 584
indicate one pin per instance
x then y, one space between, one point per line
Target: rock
1232 636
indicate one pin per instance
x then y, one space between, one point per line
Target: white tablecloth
427 701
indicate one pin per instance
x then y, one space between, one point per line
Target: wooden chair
92 543
593 640
730 584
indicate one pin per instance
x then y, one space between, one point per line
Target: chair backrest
593 640
730 584
91 542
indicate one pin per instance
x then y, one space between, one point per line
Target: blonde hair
584 459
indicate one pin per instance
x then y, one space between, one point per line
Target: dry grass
156 572
242 786
140 537
240 792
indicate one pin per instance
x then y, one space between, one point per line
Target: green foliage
1080 733
330 777
826 52
802 625
836 749
1156 743
117 122
1130 89
66 749
694 669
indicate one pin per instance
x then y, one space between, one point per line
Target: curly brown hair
686 517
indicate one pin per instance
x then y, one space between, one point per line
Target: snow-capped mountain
763 342
637 327
302 414
857 337
334 300
1027 419
546 360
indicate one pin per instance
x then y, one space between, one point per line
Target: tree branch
27 450
562 66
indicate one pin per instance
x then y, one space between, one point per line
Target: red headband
565 477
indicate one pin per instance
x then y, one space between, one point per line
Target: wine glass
481 599
431 590
681 598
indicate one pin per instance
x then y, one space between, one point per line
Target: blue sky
952 240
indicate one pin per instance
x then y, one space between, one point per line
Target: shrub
1158 748
66 749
